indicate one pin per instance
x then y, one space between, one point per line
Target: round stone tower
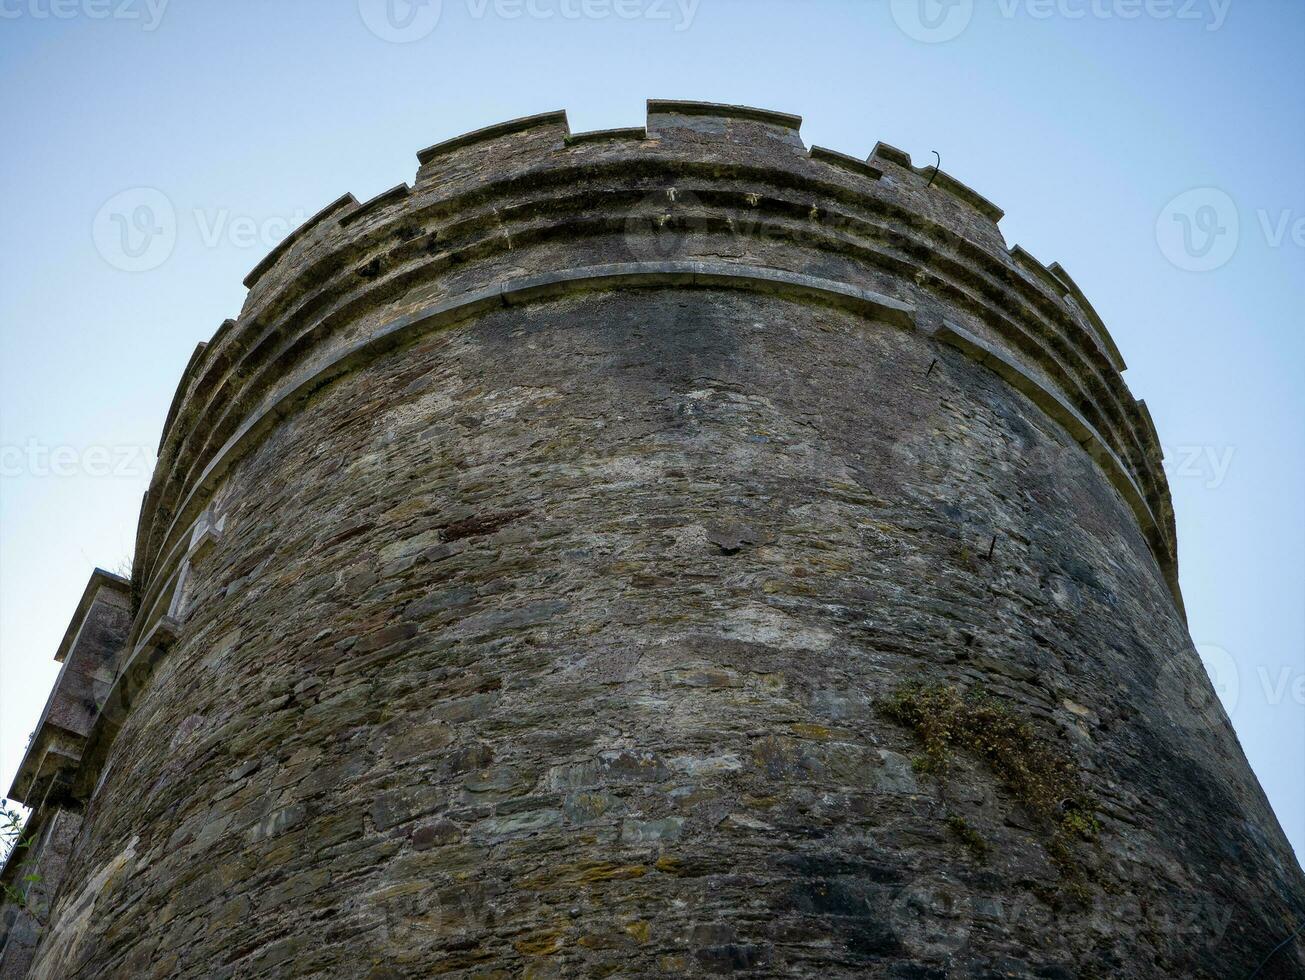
664 550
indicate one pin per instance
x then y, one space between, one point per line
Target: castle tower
665 550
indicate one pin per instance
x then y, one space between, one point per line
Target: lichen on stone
969 837
1043 779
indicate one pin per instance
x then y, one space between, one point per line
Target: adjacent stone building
655 551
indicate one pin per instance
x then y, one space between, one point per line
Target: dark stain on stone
732 537
479 525
732 957
347 534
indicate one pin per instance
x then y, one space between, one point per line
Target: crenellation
543 120
674 108
637 133
1153 435
944 181
183 386
493 132
1037 270
465 162
889 154
1097 325
337 208
845 162
376 204
360 248
725 132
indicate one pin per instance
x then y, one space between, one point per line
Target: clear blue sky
1084 119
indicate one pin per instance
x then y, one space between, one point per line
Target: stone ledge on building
90 652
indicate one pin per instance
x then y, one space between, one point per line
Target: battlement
658 108
544 120
606 135
700 182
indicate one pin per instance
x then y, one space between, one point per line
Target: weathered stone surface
550 629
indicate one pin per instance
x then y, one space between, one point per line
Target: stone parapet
700 180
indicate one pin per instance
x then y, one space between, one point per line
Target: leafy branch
13 838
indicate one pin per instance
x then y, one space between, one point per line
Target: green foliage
1042 779
1080 825
971 838
928 765
13 841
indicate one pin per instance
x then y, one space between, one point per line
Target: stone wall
50 840
565 566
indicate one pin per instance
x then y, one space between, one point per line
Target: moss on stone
969 837
1043 779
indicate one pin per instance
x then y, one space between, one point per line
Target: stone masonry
654 551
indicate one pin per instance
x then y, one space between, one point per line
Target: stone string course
527 567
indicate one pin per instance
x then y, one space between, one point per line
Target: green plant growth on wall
13 843
1042 779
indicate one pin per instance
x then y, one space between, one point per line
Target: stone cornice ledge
100 579
1055 406
53 739
544 119
677 107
